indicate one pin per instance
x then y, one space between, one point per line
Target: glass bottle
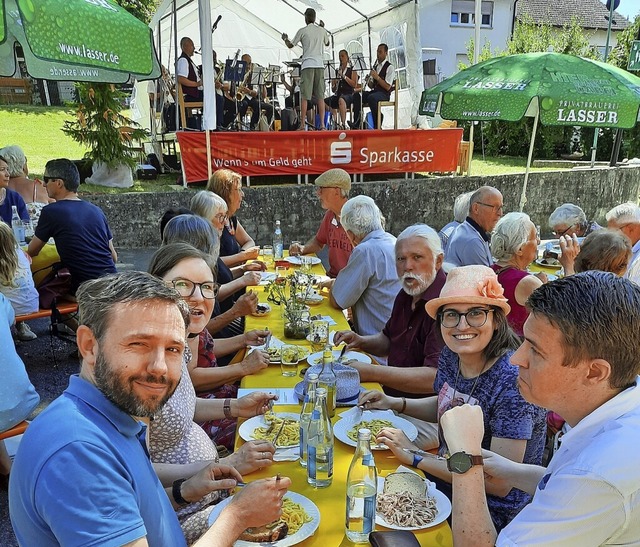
362 487
17 226
327 379
320 444
278 246
305 416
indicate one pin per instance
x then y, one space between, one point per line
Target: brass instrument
240 95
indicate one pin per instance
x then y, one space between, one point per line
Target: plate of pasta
405 507
300 513
267 427
346 430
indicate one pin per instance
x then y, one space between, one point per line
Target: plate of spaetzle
270 425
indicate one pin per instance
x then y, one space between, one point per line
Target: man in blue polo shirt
469 243
82 475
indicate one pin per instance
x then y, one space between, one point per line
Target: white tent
255 27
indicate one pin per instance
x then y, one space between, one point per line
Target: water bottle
328 380
320 444
278 247
305 416
18 226
362 487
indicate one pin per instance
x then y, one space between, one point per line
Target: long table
331 501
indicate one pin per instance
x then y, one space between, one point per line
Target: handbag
56 283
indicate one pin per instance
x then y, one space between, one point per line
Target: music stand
257 80
359 64
234 72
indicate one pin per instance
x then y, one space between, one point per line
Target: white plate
247 428
266 277
307 529
316 358
443 505
267 312
540 262
343 426
296 260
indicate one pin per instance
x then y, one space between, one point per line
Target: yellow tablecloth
331 501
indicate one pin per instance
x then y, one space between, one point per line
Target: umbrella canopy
553 88
77 40
561 89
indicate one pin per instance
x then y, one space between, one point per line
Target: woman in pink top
514 245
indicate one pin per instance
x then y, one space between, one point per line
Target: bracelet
227 409
416 460
177 494
404 405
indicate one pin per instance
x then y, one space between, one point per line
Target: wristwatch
461 462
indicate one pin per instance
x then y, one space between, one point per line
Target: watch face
459 462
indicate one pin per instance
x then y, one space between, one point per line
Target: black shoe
354 125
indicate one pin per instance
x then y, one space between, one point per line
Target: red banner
253 153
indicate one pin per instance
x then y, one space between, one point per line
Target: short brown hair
604 250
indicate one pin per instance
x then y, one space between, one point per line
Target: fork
275 439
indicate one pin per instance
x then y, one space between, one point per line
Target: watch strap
417 458
227 409
176 491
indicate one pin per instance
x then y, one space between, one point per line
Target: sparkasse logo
341 150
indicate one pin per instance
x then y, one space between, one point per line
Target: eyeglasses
47 180
496 208
221 217
560 234
475 317
186 288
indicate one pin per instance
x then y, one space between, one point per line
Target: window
392 36
463 13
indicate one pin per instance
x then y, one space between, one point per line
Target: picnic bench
15 91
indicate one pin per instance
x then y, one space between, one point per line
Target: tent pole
175 64
207 135
523 197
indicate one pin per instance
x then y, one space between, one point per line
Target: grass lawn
38 130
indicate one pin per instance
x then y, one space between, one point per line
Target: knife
419 452
275 439
268 340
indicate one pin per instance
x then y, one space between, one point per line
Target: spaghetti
375 426
289 436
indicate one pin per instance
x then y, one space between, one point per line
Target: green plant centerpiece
106 132
291 292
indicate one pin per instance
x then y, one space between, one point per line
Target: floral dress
175 438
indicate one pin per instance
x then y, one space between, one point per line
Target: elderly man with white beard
411 339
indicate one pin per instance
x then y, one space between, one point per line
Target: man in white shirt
580 359
380 80
188 73
313 39
626 218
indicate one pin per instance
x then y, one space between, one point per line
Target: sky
629 8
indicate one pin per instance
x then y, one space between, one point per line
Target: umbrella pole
523 197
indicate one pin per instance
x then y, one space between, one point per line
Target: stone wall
134 218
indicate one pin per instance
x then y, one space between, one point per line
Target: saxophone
240 94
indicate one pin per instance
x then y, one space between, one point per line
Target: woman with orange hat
474 369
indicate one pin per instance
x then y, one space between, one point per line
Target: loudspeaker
146 172
171 160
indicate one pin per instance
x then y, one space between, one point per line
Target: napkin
287 454
355 415
266 277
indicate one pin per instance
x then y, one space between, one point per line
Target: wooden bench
62 309
15 91
18 429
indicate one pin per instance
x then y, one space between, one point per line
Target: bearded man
411 339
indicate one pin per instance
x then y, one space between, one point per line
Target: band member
188 73
313 39
247 97
292 102
221 87
343 88
380 81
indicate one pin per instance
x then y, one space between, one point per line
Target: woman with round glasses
514 245
474 368
178 446
236 245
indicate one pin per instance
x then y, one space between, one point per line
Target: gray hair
15 158
461 207
194 230
361 216
511 233
97 298
567 214
207 204
597 315
625 213
425 232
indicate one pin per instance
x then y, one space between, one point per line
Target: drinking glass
305 264
267 256
281 272
319 334
289 360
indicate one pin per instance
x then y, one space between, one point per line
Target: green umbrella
77 40
554 88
